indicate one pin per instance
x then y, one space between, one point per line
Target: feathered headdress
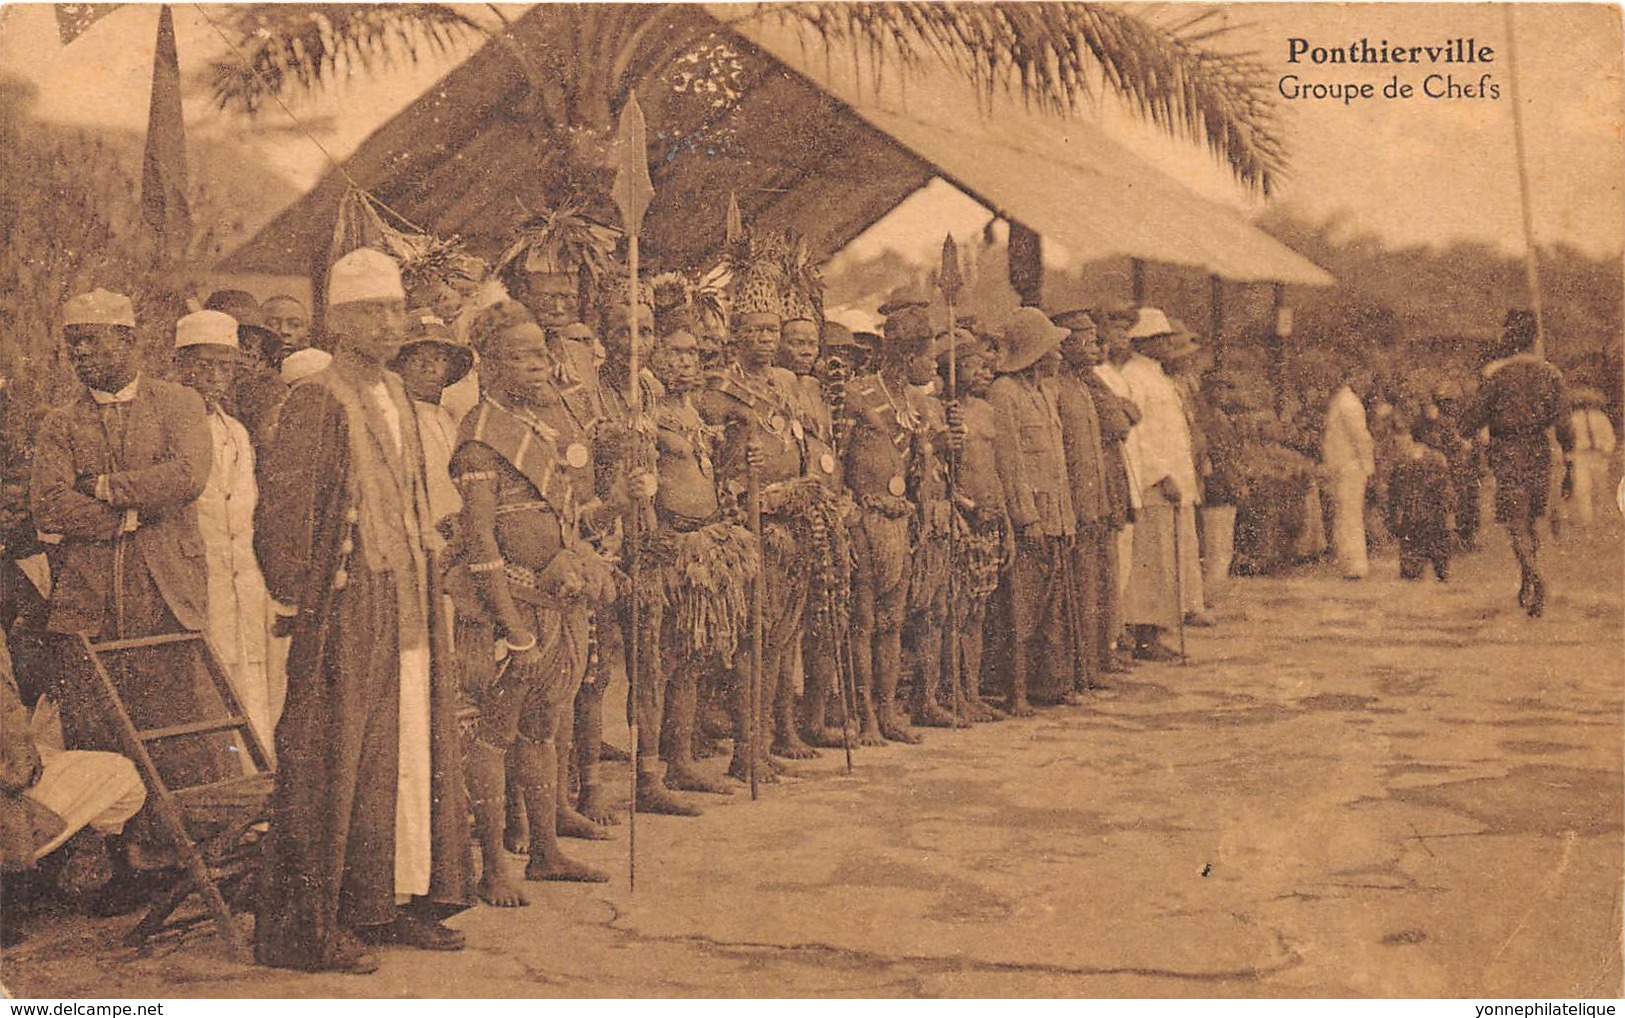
611 291
803 280
431 259
562 241
680 300
754 263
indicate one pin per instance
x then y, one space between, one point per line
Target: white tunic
1345 442
1161 442
239 607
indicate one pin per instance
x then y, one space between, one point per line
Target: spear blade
735 227
949 278
633 190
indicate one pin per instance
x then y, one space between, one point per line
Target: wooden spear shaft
634 519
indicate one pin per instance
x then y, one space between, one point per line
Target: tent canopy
800 150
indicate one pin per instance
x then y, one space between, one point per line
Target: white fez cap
206 328
99 307
301 364
1150 323
364 274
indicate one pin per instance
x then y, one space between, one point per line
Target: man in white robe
1165 577
1347 457
207 360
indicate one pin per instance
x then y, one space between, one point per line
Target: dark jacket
1086 463
160 463
1032 458
1517 401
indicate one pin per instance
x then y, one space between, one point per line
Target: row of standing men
457 594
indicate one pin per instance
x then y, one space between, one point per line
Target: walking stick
1179 588
753 690
840 680
949 280
832 604
632 191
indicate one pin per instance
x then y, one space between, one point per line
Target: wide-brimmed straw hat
1154 335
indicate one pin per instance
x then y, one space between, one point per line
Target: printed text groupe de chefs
1435 86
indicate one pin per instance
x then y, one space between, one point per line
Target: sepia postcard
806 500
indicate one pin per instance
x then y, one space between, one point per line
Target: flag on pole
74 20
633 189
163 170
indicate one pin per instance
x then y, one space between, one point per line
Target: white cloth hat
1150 323
206 328
303 363
99 307
364 274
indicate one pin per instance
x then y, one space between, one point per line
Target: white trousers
86 789
1219 545
414 791
1590 483
1348 521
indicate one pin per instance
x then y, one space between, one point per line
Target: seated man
50 796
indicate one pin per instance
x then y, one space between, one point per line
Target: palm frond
1051 55
291 48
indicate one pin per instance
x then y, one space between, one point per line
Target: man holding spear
752 404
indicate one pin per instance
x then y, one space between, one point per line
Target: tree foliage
73 222
1053 55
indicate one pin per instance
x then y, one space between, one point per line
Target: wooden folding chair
212 826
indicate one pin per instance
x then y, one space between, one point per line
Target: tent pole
1216 317
318 298
1277 342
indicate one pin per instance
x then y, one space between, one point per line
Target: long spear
632 191
950 281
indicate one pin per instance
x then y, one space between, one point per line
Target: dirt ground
1378 788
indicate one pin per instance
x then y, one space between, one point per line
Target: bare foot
686 779
828 737
765 774
574 825
653 798
517 839
593 807
1020 709
611 753
870 735
981 710
931 715
895 732
792 748
563 869
499 889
